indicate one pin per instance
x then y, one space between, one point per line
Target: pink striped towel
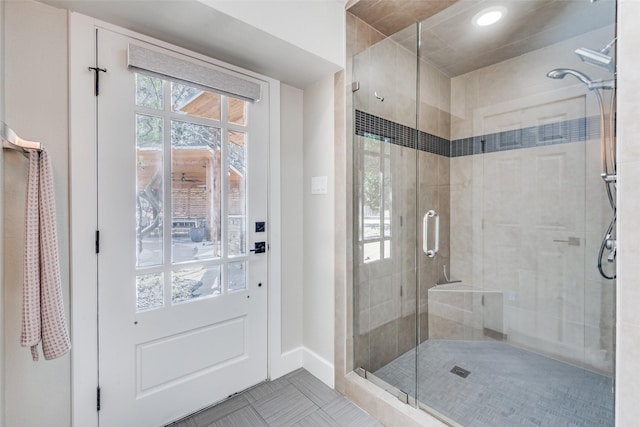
43 318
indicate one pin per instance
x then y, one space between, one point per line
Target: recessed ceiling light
489 16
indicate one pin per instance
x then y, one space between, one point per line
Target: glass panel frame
194 152
237 193
236 276
149 91
149 291
149 190
195 191
237 111
194 102
195 283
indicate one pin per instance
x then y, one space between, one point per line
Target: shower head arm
608 47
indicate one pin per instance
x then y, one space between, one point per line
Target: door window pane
387 196
372 196
376 198
149 131
193 283
371 251
237 276
195 191
149 92
237 192
149 291
149 189
237 111
195 102
371 143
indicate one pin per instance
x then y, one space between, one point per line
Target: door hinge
98 398
97 241
96 78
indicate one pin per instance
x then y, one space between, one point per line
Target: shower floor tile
507 386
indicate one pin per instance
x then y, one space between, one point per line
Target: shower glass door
386 213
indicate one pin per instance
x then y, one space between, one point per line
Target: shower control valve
612 245
609 177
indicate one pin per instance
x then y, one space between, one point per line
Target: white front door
182 198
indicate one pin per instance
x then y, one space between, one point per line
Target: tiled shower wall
529 222
492 206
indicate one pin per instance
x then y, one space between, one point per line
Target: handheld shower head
560 73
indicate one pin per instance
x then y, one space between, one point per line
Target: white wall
36 393
316 26
291 200
2 216
319 231
628 233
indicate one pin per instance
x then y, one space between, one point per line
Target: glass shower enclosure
484 190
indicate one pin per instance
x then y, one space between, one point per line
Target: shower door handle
425 234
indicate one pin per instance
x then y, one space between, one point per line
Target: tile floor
297 399
507 386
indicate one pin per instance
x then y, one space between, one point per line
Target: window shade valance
176 69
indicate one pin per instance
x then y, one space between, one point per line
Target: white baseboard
318 367
289 361
302 357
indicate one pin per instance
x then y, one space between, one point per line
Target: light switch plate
318 185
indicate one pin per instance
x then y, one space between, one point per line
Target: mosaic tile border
405 136
563 132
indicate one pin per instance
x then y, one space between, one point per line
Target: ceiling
454 45
448 40
391 16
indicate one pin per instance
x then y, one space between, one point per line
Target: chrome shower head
599 58
560 73
594 57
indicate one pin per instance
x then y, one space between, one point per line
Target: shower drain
461 372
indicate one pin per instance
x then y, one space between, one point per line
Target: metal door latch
259 247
